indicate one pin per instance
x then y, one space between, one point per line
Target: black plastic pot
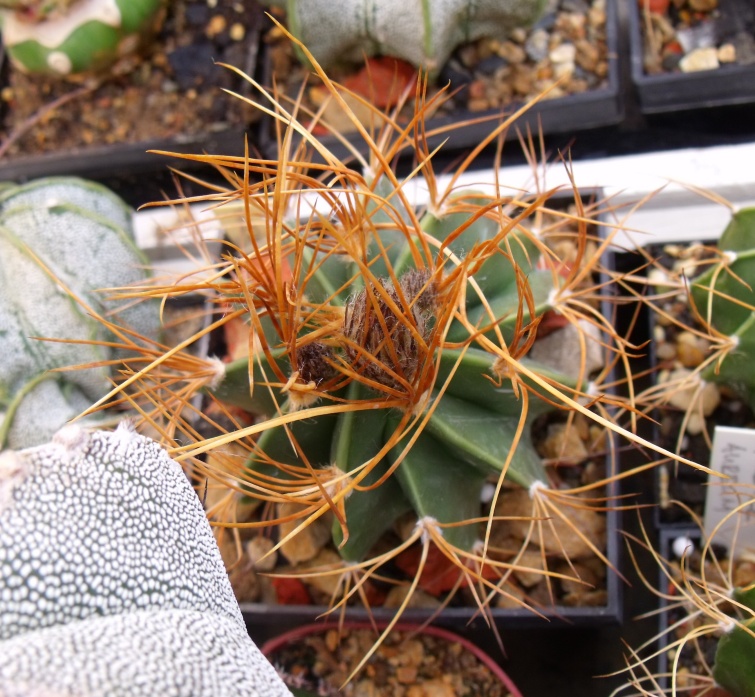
112 161
668 92
569 114
666 540
265 620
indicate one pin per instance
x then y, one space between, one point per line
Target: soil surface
173 93
405 665
695 35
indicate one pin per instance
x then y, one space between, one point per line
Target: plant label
729 519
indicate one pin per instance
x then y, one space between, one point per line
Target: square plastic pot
265 621
569 114
104 162
669 92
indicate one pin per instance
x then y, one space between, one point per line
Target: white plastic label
734 456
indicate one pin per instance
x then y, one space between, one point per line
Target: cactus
419 31
473 424
110 578
708 599
388 368
734 667
65 38
51 230
724 296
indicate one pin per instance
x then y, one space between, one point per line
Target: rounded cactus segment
68 239
49 312
441 488
169 652
110 578
88 36
739 234
422 32
102 523
36 410
49 192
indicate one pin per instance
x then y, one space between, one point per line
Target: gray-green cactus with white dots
421 32
61 239
110 579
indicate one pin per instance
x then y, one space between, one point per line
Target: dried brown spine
390 349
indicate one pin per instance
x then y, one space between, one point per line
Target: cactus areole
71 37
110 579
724 295
734 667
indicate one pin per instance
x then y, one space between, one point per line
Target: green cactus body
88 36
734 667
421 32
67 239
467 434
725 294
110 579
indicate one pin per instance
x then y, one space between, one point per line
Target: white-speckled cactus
51 230
422 32
110 579
70 37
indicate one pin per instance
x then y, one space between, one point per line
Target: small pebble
563 53
727 54
237 31
215 26
682 546
537 45
700 59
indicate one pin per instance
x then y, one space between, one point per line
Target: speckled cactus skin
725 294
51 231
422 32
472 428
110 579
72 37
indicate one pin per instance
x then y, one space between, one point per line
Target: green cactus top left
87 36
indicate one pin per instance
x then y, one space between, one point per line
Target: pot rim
271 645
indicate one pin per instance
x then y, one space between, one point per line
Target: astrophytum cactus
422 32
61 241
390 320
70 37
724 297
734 667
110 579
370 327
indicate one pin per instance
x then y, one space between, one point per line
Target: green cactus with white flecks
65 38
110 579
62 239
724 296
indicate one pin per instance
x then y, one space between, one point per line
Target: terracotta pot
293 635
